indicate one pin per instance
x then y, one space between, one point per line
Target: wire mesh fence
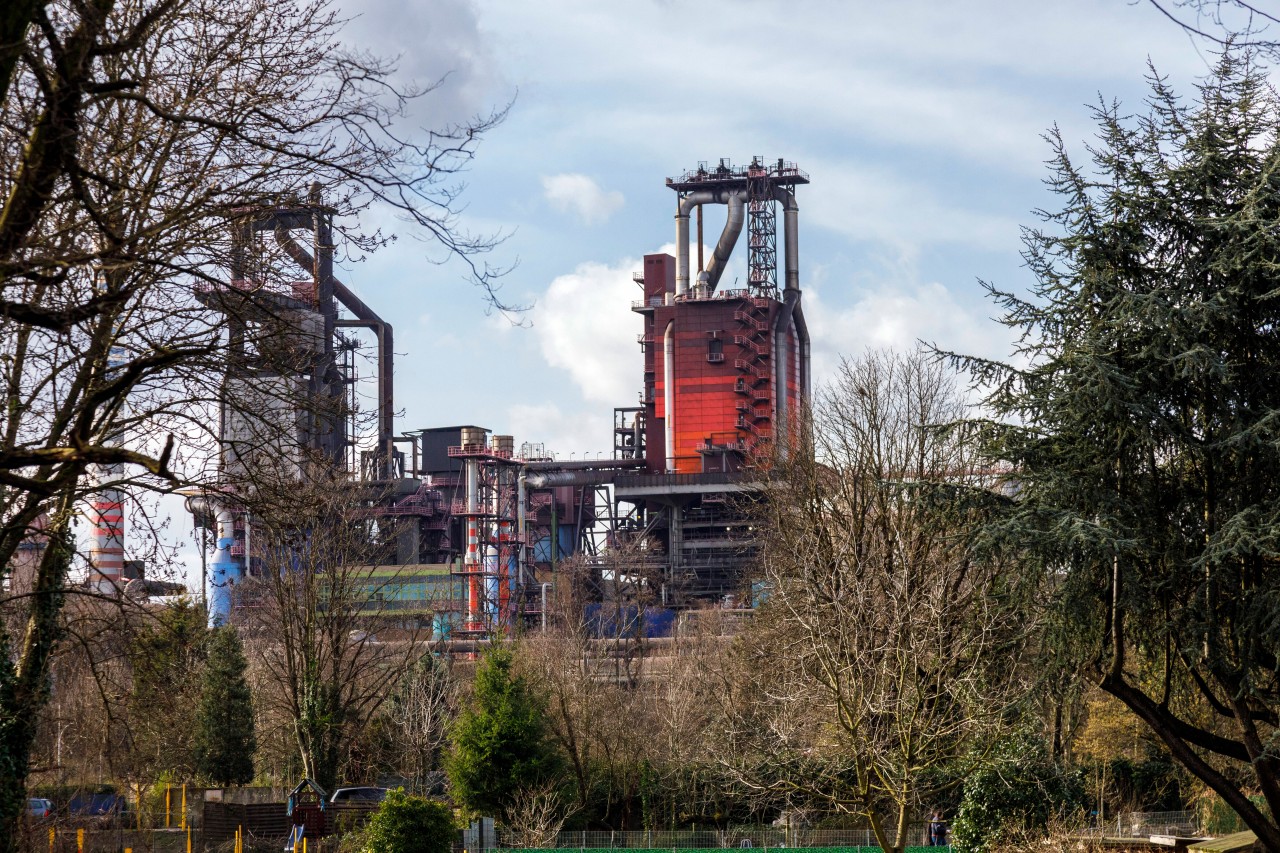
66 839
1182 824
704 839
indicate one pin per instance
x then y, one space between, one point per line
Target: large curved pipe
737 202
687 204
669 393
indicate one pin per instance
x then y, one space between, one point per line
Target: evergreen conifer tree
225 740
500 743
1143 425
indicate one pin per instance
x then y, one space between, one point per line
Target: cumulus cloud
459 61
585 433
897 211
895 316
582 196
584 325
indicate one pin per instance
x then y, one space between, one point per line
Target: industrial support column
224 571
471 562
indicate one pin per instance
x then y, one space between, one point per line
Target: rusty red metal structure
726 375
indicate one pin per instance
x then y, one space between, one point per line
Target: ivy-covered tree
1143 421
501 745
225 739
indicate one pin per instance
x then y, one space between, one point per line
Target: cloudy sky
919 122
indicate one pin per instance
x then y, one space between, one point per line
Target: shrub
409 824
1022 795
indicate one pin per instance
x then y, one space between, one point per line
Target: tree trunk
24 687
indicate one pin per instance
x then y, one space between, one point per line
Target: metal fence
1146 824
702 839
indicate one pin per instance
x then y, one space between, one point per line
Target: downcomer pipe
736 199
728 238
802 333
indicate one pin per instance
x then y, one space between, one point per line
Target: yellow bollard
188 841
80 841
184 805
166 805
304 844
53 837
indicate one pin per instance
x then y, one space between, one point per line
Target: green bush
1023 792
409 824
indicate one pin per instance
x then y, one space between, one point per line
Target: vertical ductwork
682 248
785 316
669 393
331 435
802 333
521 524
736 200
791 237
366 318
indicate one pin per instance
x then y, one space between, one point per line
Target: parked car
359 795
39 807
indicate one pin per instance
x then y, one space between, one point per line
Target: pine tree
225 740
163 653
500 743
1144 428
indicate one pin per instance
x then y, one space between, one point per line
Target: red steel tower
726 370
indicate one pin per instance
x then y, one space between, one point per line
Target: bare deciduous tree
588 673
885 649
131 133
536 816
1242 23
420 712
320 622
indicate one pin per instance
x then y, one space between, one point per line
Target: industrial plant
480 522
